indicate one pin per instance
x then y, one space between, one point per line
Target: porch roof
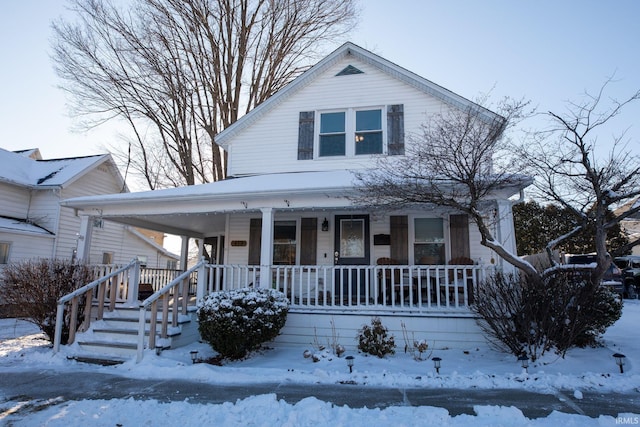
199 210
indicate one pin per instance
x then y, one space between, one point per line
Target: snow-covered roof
258 185
388 67
20 169
21 226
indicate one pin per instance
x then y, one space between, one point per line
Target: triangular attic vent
350 69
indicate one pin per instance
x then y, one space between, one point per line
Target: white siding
379 224
125 246
25 246
44 208
112 237
14 201
97 181
271 143
440 331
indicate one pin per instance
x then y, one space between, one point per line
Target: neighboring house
631 225
283 217
33 225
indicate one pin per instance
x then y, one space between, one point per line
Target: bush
528 316
239 321
32 289
374 340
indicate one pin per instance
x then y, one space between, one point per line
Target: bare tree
458 161
177 72
572 172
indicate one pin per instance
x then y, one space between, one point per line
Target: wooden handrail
180 287
87 291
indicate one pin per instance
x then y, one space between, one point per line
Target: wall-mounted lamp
325 225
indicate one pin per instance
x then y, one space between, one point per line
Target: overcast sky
542 50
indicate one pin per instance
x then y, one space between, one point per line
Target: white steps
115 337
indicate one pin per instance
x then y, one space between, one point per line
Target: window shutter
459 231
255 238
305 135
399 241
395 129
308 241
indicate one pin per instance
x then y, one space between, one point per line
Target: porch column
184 253
84 238
506 233
265 247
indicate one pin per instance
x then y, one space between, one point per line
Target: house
33 225
284 218
631 225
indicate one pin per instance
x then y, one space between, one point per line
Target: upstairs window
332 134
363 127
351 132
368 132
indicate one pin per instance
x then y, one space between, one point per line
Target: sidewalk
48 385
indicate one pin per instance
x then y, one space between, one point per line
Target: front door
351 248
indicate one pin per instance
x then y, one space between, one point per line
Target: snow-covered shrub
375 339
32 289
579 310
238 321
563 310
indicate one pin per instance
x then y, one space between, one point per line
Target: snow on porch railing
380 287
109 288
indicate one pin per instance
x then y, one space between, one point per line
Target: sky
545 51
582 373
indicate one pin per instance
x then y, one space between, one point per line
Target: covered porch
302 234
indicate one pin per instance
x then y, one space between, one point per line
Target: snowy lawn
590 369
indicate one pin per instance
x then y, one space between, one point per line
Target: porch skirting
457 330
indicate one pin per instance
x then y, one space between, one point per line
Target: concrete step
124 334
107 349
115 338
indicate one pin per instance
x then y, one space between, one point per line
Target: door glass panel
352 244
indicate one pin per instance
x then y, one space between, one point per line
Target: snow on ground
591 369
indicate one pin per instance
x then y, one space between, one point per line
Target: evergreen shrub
375 339
239 321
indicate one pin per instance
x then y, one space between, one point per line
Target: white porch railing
392 288
383 287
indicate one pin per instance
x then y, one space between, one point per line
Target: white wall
271 144
379 224
15 201
25 246
454 331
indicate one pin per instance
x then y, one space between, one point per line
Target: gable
273 142
345 51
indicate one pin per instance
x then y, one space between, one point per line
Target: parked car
630 266
612 278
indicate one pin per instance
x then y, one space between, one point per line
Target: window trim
350 131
